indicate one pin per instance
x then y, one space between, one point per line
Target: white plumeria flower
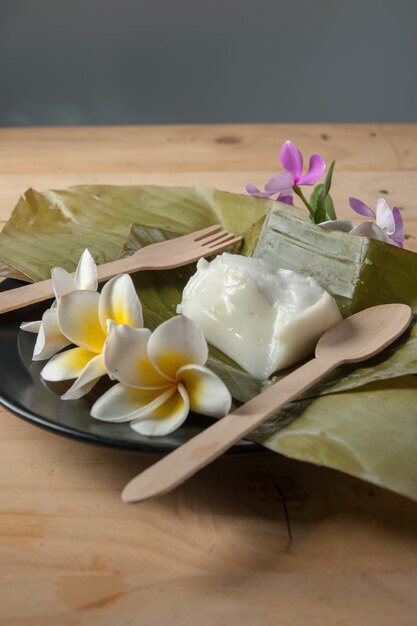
85 318
161 377
50 339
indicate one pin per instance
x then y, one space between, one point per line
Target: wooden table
250 541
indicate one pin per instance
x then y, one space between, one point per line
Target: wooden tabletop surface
250 541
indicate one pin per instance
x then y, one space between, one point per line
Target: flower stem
300 194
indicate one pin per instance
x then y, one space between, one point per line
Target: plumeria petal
291 159
384 217
67 365
281 182
399 234
79 320
207 393
85 277
178 341
126 359
90 375
86 273
315 171
119 302
50 339
62 282
166 418
360 207
31 327
124 404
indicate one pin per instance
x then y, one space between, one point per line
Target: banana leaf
54 227
327 426
38 237
370 433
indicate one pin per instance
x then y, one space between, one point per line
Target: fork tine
205 232
207 240
224 243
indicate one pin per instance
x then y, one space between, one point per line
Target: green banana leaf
370 433
54 227
328 426
38 237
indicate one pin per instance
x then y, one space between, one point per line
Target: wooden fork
157 256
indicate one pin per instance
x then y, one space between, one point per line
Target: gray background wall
161 61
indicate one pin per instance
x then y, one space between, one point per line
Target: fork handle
43 290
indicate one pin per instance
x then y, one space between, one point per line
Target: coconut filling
263 319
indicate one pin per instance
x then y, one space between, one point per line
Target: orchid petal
254 191
67 365
126 359
79 321
315 171
62 282
360 207
166 418
50 339
399 234
396 242
178 341
31 327
124 404
384 217
207 393
366 229
119 302
291 159
90 375
371 230
281 182
286 197
344 226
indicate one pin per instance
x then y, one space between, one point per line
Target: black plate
23 392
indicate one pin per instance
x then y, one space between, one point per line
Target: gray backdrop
162 61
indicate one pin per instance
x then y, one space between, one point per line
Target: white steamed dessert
263 319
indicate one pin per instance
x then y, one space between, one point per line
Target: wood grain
255 541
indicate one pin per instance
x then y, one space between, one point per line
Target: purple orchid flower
282 184
390 221
388 224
